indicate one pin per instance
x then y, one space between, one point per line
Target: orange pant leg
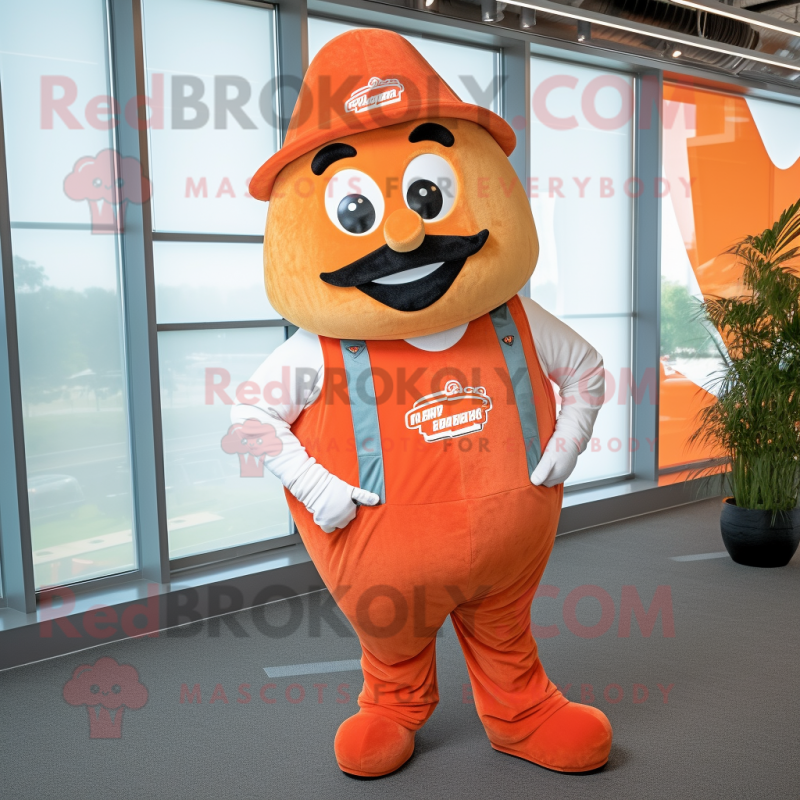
397 573
406 692
513 695
512 537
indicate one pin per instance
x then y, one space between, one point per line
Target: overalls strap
364 411
511 347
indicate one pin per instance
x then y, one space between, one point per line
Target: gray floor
729 729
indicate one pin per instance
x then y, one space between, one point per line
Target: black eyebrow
432 132
329 154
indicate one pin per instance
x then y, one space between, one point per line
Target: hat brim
262 182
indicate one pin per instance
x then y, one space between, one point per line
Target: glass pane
214 499
53 67
609 452
74 404
210 283
581 194
211 79
469 71
579 176
710 141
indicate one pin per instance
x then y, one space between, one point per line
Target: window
54 72
212 126
472 72
219 494
213 122
189 288
86 304
582 190
717 146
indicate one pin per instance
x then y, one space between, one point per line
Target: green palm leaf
756 420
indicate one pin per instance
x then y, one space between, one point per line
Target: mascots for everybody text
421 452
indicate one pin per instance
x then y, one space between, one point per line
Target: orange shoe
576 738
370 746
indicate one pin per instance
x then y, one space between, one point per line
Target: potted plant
756 421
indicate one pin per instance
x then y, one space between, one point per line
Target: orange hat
365 79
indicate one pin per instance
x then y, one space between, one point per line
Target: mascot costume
420 450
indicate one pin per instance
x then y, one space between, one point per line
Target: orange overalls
462 530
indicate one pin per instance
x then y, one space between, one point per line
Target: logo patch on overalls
457 411
509 340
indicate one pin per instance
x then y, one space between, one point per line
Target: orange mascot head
394 211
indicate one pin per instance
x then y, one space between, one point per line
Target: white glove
555 466
333 502
337 505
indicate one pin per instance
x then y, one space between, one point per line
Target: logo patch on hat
378 92
509 340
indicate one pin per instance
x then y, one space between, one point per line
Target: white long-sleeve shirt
293 374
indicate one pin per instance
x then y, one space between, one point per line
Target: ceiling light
676 53
654 33
527 18
491 11
584 30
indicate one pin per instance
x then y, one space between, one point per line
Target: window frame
638 238
16 545
156 235
127 79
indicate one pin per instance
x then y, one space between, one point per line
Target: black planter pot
752 540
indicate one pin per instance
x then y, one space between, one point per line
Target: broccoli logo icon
106 688
251 440
108 183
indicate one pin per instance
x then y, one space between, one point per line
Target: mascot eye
94 688
116 688
425 198
356 214
429 186
354 202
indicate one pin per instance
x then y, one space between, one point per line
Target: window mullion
139 301
15 529
646 275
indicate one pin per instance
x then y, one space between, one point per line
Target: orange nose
404 230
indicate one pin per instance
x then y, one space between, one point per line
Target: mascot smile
419 444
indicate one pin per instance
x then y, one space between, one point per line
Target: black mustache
384 261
